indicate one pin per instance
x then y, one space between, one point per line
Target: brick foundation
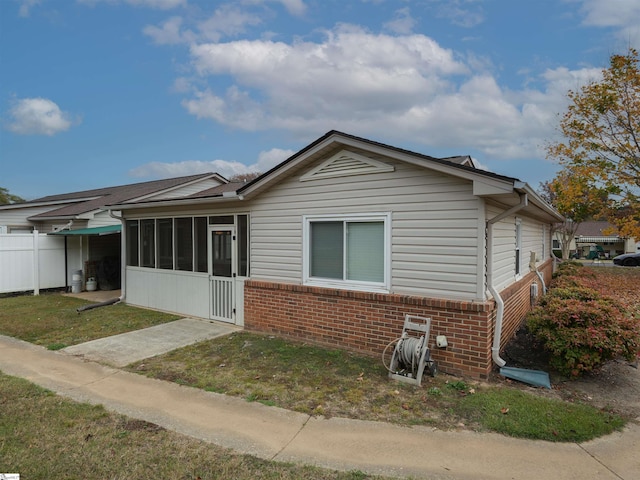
366 322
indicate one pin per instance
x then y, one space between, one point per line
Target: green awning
107 230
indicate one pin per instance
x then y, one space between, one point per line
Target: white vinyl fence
36 261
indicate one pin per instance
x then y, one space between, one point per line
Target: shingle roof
98 198
594 229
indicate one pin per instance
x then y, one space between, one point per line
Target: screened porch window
133 243
350 251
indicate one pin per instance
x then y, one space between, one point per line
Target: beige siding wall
102 219
187 189
532 234
504 246
435 225
18 217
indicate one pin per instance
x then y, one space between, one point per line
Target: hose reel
411 353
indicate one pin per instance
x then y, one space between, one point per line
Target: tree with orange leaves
600 152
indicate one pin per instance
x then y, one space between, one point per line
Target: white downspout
495 349
123 263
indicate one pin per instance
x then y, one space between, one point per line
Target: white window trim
378 287
518 248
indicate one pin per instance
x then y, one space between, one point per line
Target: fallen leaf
504 411
472 391
405 406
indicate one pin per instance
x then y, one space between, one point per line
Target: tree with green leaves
7 198
601 145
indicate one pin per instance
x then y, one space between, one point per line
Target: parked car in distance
628 260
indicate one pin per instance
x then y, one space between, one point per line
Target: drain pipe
123 265
534 268
495 349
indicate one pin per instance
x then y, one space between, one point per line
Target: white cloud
228 20
402 22
158 4
26 6
622 15
38 116
169 32
461 12
266 161
294 7
406 87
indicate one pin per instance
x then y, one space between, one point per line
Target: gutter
495 349
123 265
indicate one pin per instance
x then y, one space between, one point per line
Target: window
243 245
350 251
518 245
181 243
184 244
133 243
148 240
200 244
165 243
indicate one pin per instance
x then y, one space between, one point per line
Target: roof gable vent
345 163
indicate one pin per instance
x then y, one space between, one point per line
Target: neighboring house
337 243
599 235
93 244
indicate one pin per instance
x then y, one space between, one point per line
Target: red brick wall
366 322
517 300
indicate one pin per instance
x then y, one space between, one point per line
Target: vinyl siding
434 226
504 246
17 217
102 219
186 190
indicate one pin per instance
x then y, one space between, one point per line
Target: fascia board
45 204
292 163
175 187
173 202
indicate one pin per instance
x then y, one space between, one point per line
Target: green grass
516 413
304 378
51 320
335 383
44 436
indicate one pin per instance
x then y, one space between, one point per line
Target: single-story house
92 242
341 240
600 235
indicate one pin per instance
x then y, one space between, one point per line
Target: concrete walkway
278 434
126 348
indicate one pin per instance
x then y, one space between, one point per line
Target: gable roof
593 232
78 203
506 191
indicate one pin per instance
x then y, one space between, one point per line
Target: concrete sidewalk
273 433
125 348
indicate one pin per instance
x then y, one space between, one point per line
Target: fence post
36 262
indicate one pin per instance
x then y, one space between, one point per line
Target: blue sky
96 93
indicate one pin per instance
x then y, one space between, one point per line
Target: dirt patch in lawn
615 387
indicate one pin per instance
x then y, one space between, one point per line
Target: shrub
568 267
581 327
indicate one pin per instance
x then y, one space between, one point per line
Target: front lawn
45 436
335 383
52 320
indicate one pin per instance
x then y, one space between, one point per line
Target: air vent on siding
346 163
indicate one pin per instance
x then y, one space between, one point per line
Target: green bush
582 328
